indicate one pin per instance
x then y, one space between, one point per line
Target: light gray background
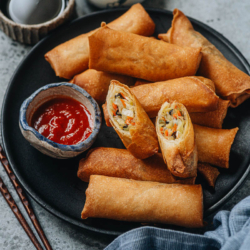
229 17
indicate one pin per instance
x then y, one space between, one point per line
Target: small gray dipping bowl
44 94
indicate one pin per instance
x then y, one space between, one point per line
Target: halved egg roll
72 57
176 137
144 201
141 57
230 82
121 163
212 119
209 173
214 145
196 93
96 83
131 122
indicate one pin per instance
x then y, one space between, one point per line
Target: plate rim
67 218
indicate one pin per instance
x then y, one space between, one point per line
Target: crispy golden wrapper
214 145
141 82
96 83
230 82
121 163
141 139
72 57
212 119
144 201
141 57
195 93
209 173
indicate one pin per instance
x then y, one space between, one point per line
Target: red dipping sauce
63 120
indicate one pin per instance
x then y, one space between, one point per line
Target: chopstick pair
25 202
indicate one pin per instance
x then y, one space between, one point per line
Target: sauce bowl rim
76 147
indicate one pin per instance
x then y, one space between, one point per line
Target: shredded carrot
114 113
166 133
179 113
133 123
114 106
161 129
175 116
123 103
174 128
123 95
128 120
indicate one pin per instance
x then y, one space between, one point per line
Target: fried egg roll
141 82
196 93
212 119
209 173
131 122
144 201
72 57
141 57
214 145
230 82
177 142
121 163
96 83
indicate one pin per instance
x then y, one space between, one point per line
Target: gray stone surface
230 18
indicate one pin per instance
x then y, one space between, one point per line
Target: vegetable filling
172 123
123 111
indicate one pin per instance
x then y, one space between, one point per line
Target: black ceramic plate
53 183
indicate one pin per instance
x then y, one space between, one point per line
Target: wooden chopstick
7 196
24 201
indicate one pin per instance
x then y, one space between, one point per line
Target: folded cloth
231 232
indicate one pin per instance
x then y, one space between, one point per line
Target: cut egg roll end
130 121
176 137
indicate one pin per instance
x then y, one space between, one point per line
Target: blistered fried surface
121 163
209 173
141 57
144 201
230 82
195 93
212 119
214 145
96 83
72 57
